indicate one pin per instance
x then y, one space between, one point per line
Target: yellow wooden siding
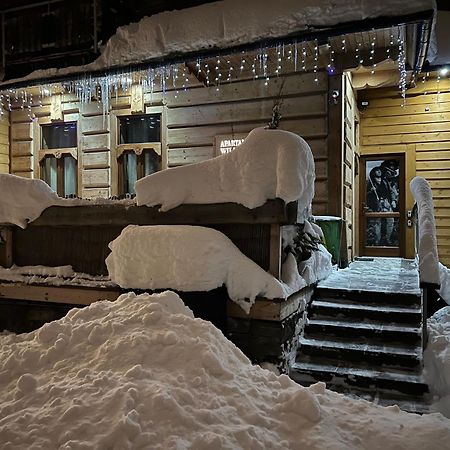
4 142
423 123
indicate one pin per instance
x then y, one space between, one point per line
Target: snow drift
142 373
428 255
437 360
268 164
22 200
192 258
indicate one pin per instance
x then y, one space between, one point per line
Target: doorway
382 205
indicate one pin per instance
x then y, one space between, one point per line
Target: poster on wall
226 143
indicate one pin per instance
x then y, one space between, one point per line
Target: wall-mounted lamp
444 71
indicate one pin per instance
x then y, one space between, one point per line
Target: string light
316 60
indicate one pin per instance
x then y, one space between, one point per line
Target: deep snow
193 258
142 373
268 164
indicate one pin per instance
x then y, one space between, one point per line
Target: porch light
443 71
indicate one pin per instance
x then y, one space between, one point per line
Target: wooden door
382 205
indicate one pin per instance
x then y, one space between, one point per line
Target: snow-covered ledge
427 241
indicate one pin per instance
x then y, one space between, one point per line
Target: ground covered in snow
437 360
142 373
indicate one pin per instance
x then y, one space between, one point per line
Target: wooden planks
4 142
424 124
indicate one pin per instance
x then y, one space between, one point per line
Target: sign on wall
226 143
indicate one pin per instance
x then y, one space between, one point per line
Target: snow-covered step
379 354
363 377
363 311
376 298
379 331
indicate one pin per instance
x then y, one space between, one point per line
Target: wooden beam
335 147
272 212
273 310
6 252
70 295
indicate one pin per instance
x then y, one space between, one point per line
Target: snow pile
142 373
187 258
437 360
229 23
268 164
22 200
428 255
444 278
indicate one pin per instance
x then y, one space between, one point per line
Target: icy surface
53 276
192 258
437 360
229 23
268 164
377 275
428 254
22 199
444 278
142 373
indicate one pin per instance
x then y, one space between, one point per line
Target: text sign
226 143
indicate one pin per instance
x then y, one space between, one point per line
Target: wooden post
275 251
6 254
335 145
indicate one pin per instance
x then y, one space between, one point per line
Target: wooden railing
425 246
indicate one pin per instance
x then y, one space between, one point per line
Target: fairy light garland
284 58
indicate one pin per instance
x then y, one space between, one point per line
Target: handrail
425 245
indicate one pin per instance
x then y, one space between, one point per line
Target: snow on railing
427 241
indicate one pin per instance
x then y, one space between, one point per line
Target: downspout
423 44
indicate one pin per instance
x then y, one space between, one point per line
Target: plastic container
331 227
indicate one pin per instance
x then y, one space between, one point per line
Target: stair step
326 307
370 353
366 378
389 298
379 331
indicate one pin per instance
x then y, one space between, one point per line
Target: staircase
365 344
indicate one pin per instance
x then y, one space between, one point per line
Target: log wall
190 121
419 127
4 142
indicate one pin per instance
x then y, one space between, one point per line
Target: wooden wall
420 127
191 120
4 142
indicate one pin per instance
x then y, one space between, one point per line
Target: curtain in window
151 162
70 176
130 166
49 172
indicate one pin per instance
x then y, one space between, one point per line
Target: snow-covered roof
227 24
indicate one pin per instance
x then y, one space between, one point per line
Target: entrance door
382 205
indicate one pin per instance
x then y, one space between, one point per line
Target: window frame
58 153
160 148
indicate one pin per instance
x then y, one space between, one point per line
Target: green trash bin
331 227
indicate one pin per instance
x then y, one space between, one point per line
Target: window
56 136
58 157
139 149
139 129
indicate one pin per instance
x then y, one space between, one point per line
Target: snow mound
428 255
142 373
268 164
444 279
187 258
22 200
437 359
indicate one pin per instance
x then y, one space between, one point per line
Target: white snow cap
229 23
142 373
22 200
187 258
268 164
444 278
428 255
192 258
